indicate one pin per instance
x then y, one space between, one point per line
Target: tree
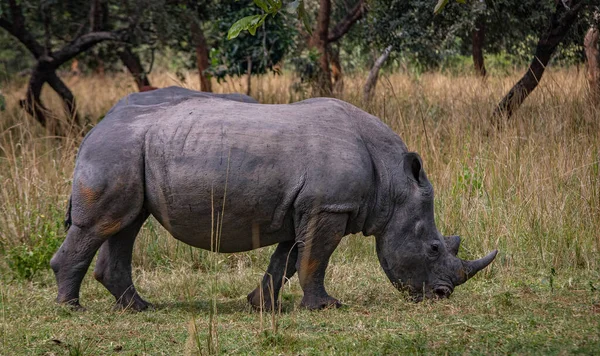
57 32
13 19
246 53
560 22
321 37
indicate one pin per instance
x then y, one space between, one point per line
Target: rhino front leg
282 266
71 261
113 267
318 236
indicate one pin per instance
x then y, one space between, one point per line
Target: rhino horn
453 243
470 268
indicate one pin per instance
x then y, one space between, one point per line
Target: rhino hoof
254 298
72 304
312 303
135 304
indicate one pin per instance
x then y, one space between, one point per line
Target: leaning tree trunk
134 65
369 87
478 40
591 43
560 22
202 60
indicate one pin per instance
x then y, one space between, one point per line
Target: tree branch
82 44
66 95
17 29
344 26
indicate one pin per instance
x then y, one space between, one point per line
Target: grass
531 190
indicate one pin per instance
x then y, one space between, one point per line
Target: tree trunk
336 71
560 22
371 82
478 40
320 41
249 78
202 60
32 103
133 64
592 53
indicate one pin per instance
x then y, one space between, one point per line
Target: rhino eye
434 249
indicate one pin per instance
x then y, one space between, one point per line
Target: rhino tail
68 221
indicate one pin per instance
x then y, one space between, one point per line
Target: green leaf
245 23
440 6
255 25
303 16
262 4
275 6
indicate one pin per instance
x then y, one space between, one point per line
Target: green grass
498 312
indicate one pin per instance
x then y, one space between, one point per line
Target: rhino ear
413 167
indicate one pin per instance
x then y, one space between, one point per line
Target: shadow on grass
223 307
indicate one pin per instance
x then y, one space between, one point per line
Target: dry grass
532 190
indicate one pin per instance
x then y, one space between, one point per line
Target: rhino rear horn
452 244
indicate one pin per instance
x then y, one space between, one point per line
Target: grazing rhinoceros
301 176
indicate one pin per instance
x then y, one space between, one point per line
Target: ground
501 311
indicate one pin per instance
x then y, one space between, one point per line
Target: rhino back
168 96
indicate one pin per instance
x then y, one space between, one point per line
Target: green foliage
27 259
270 7
14 57
264 49
511 28
32 254
442 3
248 23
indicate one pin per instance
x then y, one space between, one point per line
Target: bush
26 260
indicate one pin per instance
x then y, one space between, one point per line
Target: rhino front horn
470 268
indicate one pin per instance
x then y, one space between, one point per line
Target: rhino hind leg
282 266
317 238
113 267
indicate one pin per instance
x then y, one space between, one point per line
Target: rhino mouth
439 291
442 291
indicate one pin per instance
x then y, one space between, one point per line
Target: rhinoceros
228 174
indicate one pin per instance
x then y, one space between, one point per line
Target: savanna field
531 190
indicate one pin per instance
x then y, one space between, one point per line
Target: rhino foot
72 304
135 304
316 303
254 298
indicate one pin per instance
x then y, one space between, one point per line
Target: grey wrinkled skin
301 175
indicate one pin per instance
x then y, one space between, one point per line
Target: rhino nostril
442 292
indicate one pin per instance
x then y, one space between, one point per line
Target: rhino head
411 250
